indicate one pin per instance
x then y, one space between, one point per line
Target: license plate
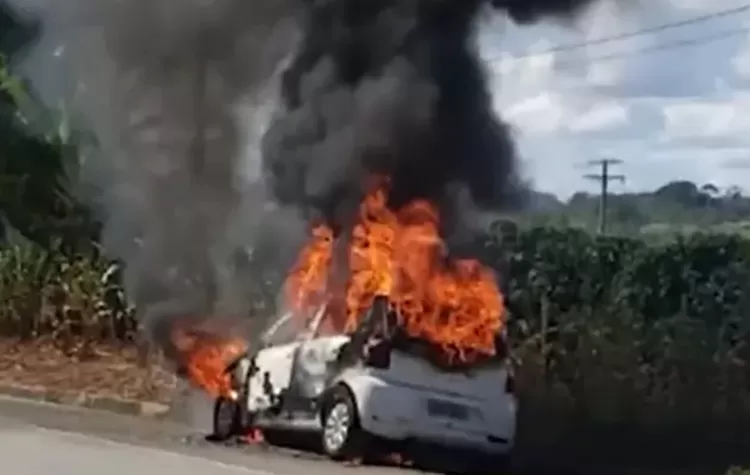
447 409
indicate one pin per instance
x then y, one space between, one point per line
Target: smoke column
394 87
386 86
170 88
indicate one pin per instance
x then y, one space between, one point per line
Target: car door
275 362
314 358
272 365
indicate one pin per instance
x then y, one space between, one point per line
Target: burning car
375 383
402 343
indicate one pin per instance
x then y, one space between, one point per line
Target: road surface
43 439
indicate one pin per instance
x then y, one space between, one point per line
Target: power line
636 33
669 45
665 46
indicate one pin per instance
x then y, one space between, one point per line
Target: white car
352 389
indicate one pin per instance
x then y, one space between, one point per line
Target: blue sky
681 113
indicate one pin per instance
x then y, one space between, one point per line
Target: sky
678 113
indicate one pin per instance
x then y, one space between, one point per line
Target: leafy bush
612 332
701 277
47 293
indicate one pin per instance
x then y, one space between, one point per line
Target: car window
290 328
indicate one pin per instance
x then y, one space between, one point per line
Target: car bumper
397 413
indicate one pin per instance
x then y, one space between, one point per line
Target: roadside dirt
99 369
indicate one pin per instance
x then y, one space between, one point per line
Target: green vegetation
617 340
71 298
678 207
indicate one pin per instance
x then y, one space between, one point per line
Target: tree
733 193
682 192
710 189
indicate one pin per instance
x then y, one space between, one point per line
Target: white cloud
708 118
519 78
680 113
702 6
741 60
603 116
540 115
602 20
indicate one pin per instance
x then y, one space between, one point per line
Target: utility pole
604 178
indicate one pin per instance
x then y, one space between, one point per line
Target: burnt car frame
349 390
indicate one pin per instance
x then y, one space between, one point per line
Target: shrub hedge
549 276
614 332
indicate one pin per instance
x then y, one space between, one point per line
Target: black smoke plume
528 11
396 88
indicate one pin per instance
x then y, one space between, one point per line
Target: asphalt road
43 439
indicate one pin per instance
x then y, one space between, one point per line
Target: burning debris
204 357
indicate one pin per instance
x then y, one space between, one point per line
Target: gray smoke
173 91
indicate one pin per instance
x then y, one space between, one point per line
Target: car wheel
341 435
226 421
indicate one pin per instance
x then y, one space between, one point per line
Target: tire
227 419
342 436
245 419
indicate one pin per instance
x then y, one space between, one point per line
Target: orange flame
306 286
399 254
205 357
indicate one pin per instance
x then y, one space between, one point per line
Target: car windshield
284 330
291 327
